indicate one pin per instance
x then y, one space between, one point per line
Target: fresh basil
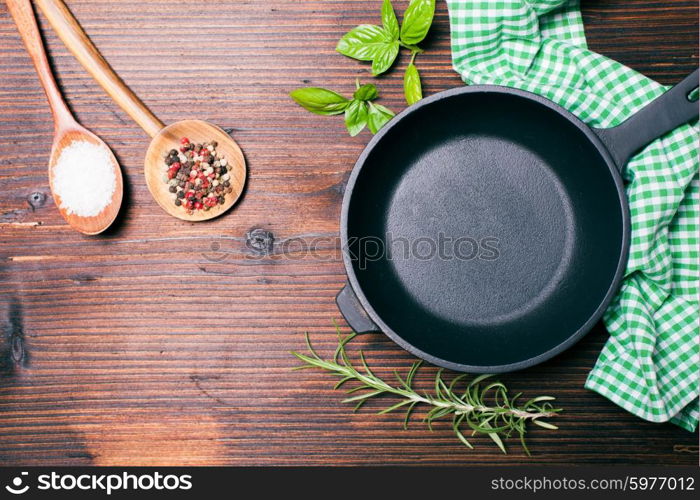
356 117
389 21
360 112
378 116
363 42
385 58
366 92
368 42
417 20
320 101
411 85
380 45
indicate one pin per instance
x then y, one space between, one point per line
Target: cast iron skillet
486 229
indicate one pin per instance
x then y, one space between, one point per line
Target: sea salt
84 178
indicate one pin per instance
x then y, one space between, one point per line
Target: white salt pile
84 178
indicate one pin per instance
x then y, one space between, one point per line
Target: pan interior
485 229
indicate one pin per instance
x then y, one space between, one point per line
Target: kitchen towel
649 365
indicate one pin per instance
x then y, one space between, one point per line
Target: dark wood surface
139 347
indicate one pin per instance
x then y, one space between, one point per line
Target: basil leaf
385 58
364 42
389 21
417 20
356 117
320 101
378 116
370 43
411 85
366 93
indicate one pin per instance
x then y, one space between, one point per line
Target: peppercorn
197 175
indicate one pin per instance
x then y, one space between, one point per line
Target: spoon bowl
97 223
197 131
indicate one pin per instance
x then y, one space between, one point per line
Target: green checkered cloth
649 365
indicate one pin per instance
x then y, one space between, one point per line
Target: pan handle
352 311
663 114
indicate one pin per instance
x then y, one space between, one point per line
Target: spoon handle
73 36
23 14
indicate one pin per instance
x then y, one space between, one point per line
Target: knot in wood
16 349
260 241
36 199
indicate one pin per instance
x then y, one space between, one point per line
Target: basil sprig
360 111
380 44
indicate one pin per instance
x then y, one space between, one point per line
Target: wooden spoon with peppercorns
66 129
164 138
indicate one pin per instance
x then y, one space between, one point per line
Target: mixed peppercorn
197 175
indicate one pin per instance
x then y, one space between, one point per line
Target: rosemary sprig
480 405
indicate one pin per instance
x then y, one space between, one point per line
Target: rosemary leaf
546 425
408 415
394 407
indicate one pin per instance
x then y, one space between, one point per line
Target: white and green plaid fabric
649 366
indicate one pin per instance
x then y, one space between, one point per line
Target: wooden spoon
66 128
163 138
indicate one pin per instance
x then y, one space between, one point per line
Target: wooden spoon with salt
66 129
163 138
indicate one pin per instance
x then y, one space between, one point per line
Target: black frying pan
486 229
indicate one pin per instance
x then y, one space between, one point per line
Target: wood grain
166 342
23 15
79 44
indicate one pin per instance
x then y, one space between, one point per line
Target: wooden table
164 342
